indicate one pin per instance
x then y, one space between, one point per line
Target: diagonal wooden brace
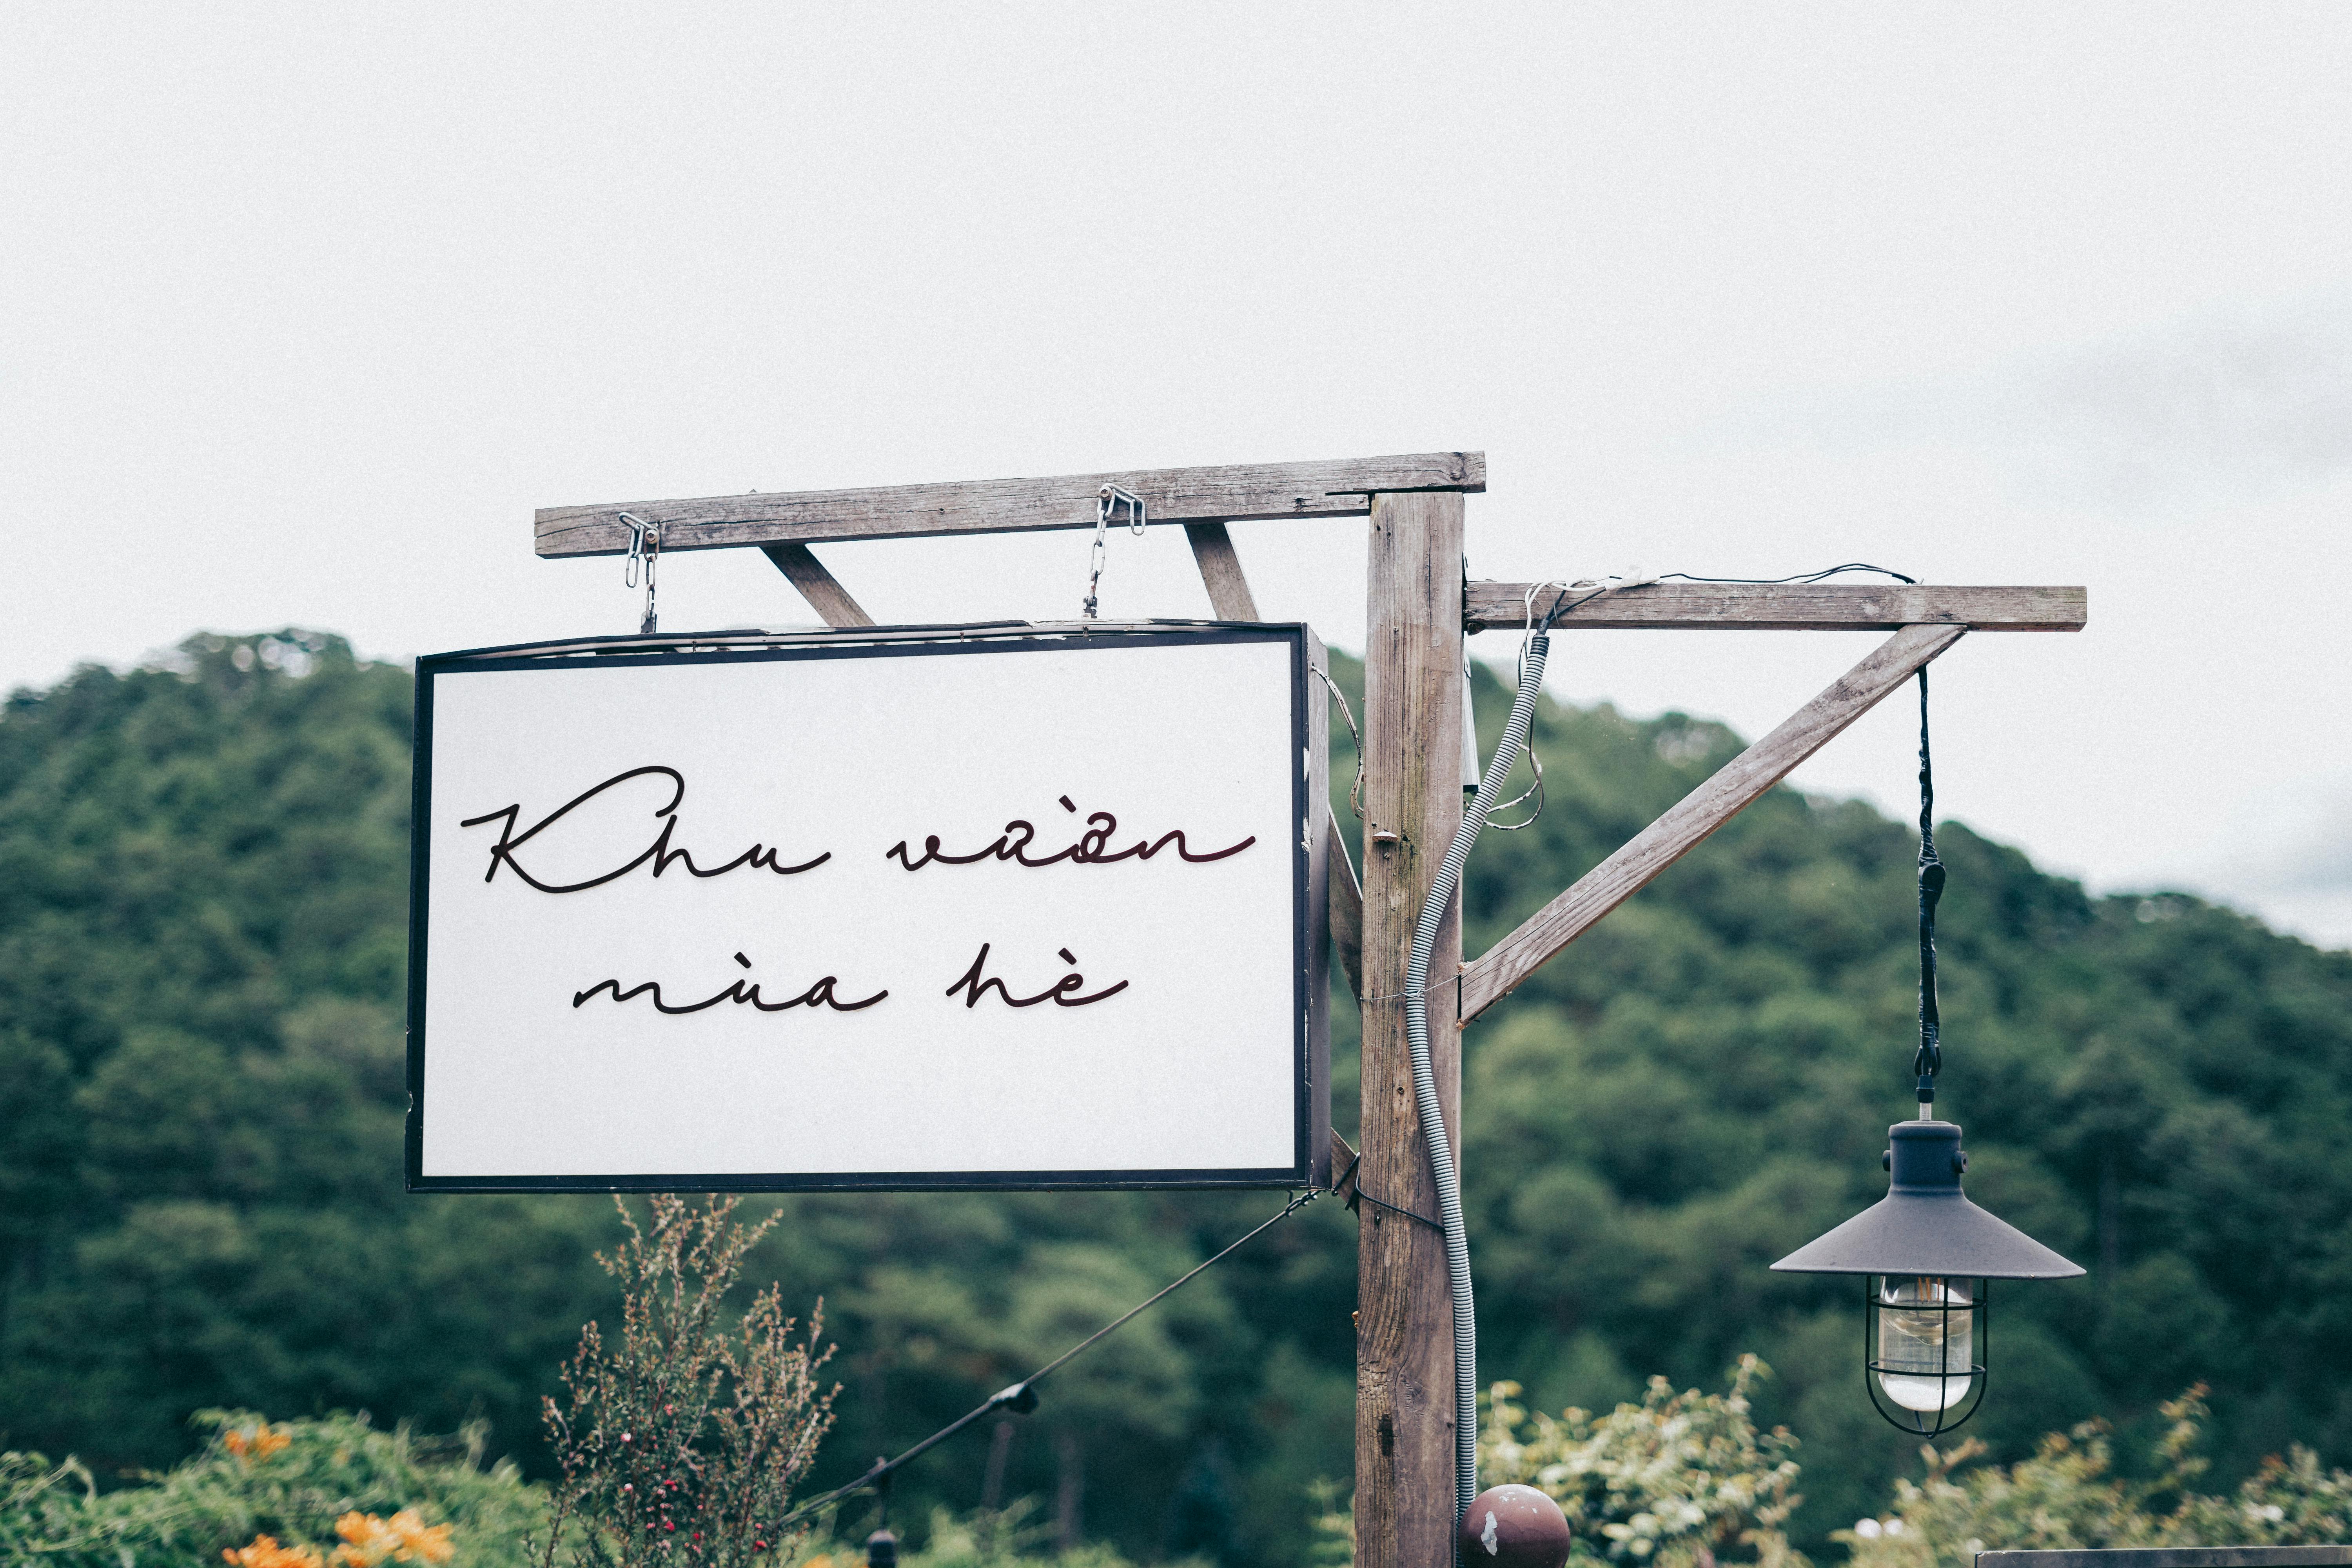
1500 968
824 594
1229 596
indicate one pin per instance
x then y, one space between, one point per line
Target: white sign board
991 909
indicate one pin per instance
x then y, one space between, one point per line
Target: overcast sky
304 308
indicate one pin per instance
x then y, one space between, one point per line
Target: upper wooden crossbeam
1232 492
1782 607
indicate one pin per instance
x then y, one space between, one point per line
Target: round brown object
1513 1527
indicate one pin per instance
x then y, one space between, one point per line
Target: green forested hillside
202 916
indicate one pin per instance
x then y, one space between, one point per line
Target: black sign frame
1311 846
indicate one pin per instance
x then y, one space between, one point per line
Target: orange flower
403 1538
264 1552
365 1541
257 1445
420 1542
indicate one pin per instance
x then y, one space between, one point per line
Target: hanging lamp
1926 1254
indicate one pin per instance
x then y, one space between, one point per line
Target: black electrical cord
1930 1058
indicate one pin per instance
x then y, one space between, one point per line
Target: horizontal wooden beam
1738 781
1783 607
1228 493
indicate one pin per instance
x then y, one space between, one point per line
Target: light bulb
1924 1355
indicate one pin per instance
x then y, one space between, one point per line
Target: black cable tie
1393 1208
1353 1198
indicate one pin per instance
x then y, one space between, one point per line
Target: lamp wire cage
1949 1414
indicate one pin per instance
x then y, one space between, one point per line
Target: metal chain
645 546
1111 497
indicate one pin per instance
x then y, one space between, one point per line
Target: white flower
1893 1527
1867 1528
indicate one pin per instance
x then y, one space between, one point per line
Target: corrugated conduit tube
1425 1078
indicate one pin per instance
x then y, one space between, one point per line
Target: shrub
2067 1497
681 1442
1680 1480
985 1538
287 1495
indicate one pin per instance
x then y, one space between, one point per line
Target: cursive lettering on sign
818 995
502 853
1062 992
1093 847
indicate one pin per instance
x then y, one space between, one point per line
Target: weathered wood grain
826 596
1221 572
1233 491
1734 785
1785 607
1343 1165
1413 746
1346 907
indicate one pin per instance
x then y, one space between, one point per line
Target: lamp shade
1925 1225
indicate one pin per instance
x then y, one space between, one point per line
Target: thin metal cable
1356 790
1559 607
1534 791
1621 585
1432 989
1929 1061
1799 577
1022 1394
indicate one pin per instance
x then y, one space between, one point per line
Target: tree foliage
203 868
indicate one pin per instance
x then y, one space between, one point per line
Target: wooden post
1413 803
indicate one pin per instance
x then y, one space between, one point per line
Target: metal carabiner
1110 499
1115 496
642 535
645 546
